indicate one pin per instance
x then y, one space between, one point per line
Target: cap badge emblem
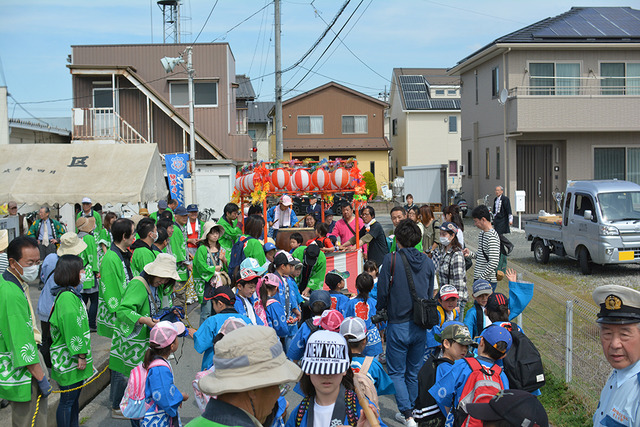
612 302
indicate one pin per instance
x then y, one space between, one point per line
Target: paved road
186 365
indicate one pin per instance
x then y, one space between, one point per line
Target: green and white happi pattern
113 282
130 339
71 337
17 344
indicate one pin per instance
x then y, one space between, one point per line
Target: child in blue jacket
364 307
447 311
335 281
268 308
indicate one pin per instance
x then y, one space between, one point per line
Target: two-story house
424 119
334 121
260 128
554 101
122 94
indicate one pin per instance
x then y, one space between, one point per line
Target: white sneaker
400 418
411 423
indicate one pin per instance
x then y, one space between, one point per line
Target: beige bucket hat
86 224
249 358
208 226
4 239
71 244
163 266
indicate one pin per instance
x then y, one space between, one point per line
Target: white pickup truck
600 224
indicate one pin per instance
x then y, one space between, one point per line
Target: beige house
424 119
554 101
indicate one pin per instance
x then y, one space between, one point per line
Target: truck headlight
609 230
609 251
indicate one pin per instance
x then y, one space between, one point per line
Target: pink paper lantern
280 178
321 179
301 179
340 178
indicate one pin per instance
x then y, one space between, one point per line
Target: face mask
155 238
444 241
83 277
29 274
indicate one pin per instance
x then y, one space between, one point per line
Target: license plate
625 256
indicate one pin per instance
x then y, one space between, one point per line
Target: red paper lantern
321 179
301 179
280 178
248 183
340 178
289 187
238 185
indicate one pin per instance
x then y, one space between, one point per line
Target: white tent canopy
65 173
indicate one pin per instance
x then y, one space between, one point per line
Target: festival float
257 181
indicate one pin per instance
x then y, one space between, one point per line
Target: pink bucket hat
164 333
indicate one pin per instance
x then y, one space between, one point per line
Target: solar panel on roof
411 79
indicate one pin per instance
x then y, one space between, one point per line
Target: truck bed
543 230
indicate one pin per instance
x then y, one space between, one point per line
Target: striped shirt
487 256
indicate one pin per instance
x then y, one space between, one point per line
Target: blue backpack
237 256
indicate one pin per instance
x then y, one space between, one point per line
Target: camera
380 316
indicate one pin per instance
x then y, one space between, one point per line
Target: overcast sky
36 35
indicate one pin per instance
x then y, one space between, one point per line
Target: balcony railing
575 90
104 124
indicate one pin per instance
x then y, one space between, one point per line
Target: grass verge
564 408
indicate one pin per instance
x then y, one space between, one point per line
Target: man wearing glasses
371 234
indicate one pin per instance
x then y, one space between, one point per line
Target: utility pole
192 136
279 145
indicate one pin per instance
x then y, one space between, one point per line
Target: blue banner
176 173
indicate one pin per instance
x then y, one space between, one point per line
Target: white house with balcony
554 101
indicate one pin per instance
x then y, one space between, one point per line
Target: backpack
426 409
363 383
237 255
133 404
523 364
482 384
312 327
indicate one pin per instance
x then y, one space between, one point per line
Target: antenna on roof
171 20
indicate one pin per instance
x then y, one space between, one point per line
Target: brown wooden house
122 94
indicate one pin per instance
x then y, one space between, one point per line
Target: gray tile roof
579 24
257 112
245 88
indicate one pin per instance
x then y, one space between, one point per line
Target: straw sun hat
163 266
86 224
249 358
208 226
71 244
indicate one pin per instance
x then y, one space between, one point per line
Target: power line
205 23
324 33
338 80
25 110
224 35
260 36
327 48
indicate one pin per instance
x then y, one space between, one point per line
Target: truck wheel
583 259
541 252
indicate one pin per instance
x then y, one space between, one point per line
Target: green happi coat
141 257
230 235
17 344
254 249
113 282
178 242
319 270
204 268
90 261
70 335
103 238
130 339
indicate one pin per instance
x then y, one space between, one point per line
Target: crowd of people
270 317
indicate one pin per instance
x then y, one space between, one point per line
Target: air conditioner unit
462 172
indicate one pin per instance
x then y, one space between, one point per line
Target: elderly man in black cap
619 321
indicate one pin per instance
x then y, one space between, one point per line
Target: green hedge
370 184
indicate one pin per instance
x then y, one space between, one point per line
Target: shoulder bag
425 312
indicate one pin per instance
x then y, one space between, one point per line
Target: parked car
600 224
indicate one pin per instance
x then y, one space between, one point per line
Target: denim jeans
118 385
205 311
93 308
69 409
405 348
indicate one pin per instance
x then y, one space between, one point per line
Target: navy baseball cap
320 296
162 204
180 210
192 208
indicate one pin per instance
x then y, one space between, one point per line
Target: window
453 124
241 121
252 134
617 163
452 92
372 168
619 78
394 127
548 78
584 203
354 124
488 160
205 94
103 97
453 168
440 92
495 82
310 125
469 162
396 167
497 162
